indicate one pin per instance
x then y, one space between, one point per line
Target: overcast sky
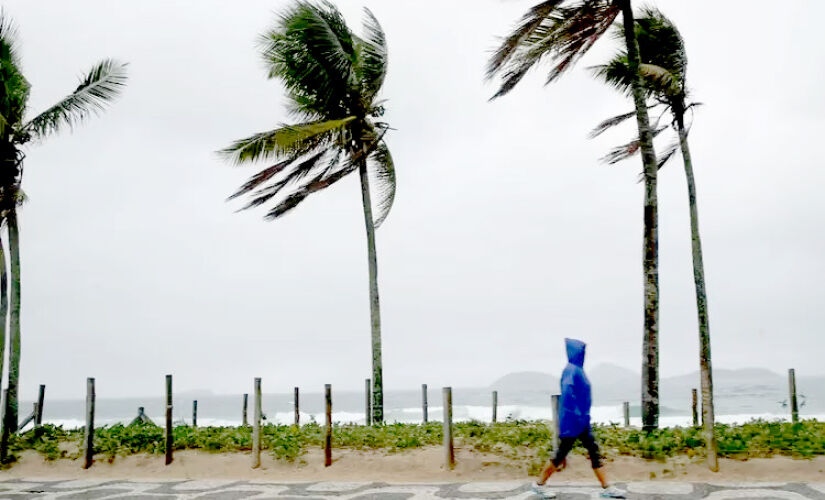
506 236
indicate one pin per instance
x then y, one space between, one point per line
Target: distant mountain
613 384
526 381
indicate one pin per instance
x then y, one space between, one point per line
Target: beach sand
420 465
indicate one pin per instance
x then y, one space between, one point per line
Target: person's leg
592 448
596 460
565 445
601 477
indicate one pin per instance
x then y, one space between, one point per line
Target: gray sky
506 236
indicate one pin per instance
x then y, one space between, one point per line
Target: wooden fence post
792 389
626 412
256 426
195 413
495 405
170 442
554 403
368 405
30 418
41 395
89 436
695 405
141 418
328 440
297 410
449 450
424 402
244 420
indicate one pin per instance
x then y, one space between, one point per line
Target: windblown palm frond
8 40
668 153
549 30
96 91
610 123
298 171
311 50
628 150
372 49
616 73
322 180
530 22
14 93
383 170
287 140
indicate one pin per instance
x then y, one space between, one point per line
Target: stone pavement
213 489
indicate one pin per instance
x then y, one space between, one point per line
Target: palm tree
95 91
562 32
664 68
332 79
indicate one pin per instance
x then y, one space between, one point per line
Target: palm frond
9 41
616 73
324 180
298 172
668 154
383 170
373 61
97 89
578 34
14 93
610 123
261 177
321 181
529 23
288 140
563 34
311 50
628 150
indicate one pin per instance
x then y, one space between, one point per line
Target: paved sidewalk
233 490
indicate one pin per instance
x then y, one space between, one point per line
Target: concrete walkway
232 490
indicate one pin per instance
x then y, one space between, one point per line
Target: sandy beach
420 465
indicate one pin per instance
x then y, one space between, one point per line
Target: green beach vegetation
525 442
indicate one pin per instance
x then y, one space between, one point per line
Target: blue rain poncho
575 401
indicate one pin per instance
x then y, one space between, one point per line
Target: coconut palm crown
663 70
332 79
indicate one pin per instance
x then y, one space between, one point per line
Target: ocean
735 403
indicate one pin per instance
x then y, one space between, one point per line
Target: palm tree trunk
705 367
650 262
14 320
4 303
375 310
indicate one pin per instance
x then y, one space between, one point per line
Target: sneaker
612 492
542 491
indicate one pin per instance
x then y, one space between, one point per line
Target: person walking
574 423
